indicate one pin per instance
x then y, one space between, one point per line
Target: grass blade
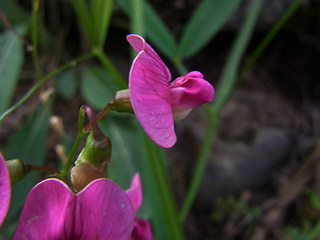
207 20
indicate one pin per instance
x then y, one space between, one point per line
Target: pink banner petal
48 212
102 210
139 44
149 98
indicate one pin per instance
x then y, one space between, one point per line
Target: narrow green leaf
29 145
11 60
228 76
97 86
159 34
82 11
66 84
207 20
101 11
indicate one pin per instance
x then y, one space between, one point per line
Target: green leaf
94 19
97 87
207 20
227 79
159 34
66 84
101 11
28 143
81 9
11 60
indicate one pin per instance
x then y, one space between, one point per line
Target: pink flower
142 228
155 100
102 210
5 189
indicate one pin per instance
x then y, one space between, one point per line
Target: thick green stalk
67 65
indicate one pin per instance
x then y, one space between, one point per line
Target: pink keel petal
149 97
5 189
190 91
48 212
102 210
135 192
142 230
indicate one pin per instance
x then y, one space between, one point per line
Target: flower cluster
102 210
95 207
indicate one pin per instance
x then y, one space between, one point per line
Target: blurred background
261 178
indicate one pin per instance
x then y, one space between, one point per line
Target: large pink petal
5 189
48 212
149 97
190 91
135 192
103 211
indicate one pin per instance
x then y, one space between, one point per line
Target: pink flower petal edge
102 210
135 192
155 101
142 228
5 189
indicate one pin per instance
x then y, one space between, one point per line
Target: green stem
34 38
181 68
81 133
227 83
111 68
268 38
200 165
44 169
165 194
43 80
102 113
